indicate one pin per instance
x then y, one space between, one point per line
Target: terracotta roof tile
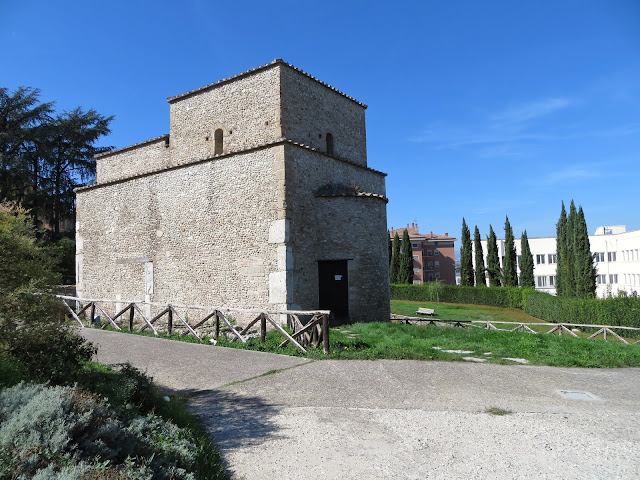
131 147
277 61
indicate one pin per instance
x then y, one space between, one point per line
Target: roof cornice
281 141
277 61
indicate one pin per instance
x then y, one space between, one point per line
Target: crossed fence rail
314 332
556 328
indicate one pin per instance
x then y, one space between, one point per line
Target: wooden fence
314 332
556 328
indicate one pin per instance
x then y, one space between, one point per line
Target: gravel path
398 419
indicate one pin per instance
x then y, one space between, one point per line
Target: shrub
65 432
33 334
623 310
508 297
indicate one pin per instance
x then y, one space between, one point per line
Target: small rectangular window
437 274
612 256
553 258
552 280
414 245
437 263
599 256
436 252
429 253
540 259
542 281
415 257
613 278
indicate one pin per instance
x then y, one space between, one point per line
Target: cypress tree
405 273
510 259
569 271
585 270
466 257
493 260
561 247
481 278
395 259
526 263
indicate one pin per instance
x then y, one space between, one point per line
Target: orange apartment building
434 257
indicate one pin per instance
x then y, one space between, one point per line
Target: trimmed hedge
623 310
507 297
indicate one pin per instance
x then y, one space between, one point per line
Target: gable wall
310 110
246 109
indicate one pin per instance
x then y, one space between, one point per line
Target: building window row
602 279
600 256
631 279
630 255
544 281
549 258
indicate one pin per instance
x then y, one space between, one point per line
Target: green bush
65 432
623 310
33 334
507 297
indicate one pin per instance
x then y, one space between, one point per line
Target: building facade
259 197
433 255
616 257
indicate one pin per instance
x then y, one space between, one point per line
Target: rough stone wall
205 228
246 109
337 228
150 155
310 110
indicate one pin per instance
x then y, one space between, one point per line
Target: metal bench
426 311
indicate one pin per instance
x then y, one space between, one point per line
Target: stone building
259 197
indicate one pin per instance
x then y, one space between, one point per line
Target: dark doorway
333 276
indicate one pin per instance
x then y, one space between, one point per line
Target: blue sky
477 109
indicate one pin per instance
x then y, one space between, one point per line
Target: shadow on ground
235 421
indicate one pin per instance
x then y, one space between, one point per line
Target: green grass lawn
458 311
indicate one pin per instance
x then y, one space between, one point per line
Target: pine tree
466 257
585 270
526 263
493 260
561 251
405 273
395 259
481 278
510 259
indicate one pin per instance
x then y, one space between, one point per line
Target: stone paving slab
398 419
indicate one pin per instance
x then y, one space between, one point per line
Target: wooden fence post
170 321
217 330
132 312
263 328
325 334
93 313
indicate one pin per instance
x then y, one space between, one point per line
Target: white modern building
616 254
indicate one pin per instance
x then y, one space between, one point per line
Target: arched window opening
217 138
329 144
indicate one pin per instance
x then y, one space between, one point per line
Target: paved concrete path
397 419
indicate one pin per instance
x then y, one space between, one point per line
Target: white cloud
528 111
